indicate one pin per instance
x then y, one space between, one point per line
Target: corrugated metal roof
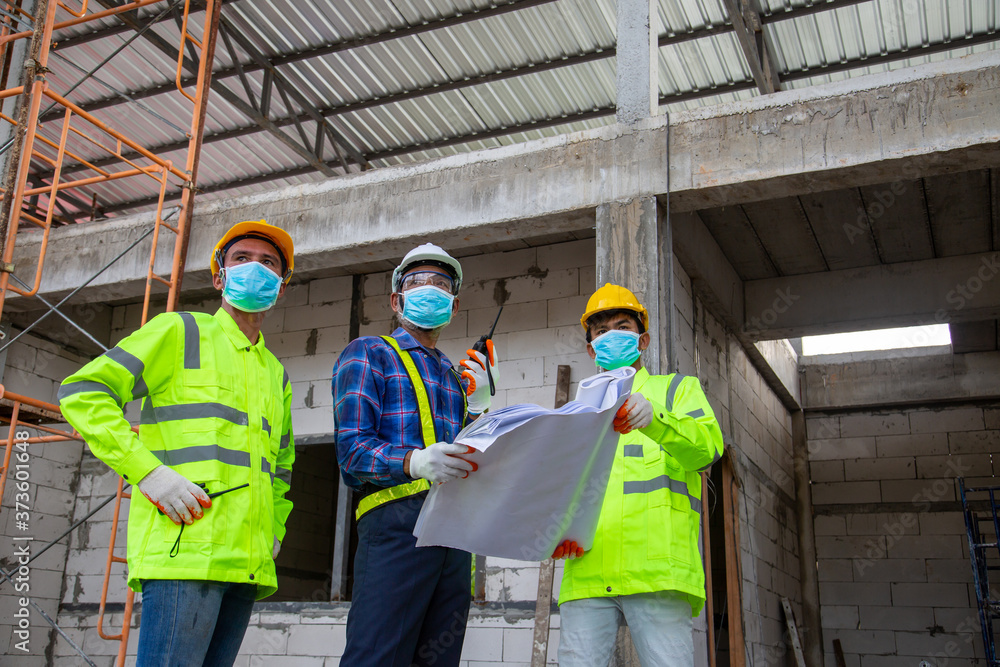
406 80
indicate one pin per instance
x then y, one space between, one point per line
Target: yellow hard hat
256 229
614 297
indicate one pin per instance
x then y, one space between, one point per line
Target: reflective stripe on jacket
373 500
217 410
648 535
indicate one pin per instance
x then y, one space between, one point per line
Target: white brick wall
895 587
52 474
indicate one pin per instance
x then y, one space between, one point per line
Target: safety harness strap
391 493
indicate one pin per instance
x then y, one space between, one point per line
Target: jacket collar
408 342
233 332
639 379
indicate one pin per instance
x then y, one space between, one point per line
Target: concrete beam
783 370
713 278
931 119
973 336
936 117
716 283
871 379
935 291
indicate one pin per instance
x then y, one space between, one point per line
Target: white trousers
660 624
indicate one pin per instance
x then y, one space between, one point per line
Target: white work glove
174 494
637 412
440 462
474 369
276 549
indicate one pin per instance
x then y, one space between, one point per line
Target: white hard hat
428 253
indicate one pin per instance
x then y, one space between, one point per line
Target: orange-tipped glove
174 495
568 549
637 412
441 462
474 370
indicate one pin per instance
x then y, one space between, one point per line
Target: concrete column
632 238
637 75
811 629
633 250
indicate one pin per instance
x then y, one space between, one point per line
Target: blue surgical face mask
250 287
427 307
616 349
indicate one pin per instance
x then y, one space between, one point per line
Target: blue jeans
660 624
187 623
409 604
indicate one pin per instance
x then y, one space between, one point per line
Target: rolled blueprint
541 478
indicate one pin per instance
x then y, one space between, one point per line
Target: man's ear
590 351
217 281
394 302
644 341
454 306
281 290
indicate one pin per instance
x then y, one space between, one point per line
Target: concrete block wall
757 431
37 507
895 576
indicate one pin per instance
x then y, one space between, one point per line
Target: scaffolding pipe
68 296
213 12
129 7
63 315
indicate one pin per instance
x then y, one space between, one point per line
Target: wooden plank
838 653
734 578
341 541
707 563
793 632
546 569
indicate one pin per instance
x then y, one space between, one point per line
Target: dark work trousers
409 604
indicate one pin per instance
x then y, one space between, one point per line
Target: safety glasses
437 279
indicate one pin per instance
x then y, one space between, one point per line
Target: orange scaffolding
76 137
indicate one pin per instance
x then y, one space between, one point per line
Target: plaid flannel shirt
375 408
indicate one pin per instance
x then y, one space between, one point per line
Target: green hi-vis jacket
217 410
648 534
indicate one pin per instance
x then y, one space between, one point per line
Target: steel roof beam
276 80
609 52
442 143
591 56
170 50
111 31
531 68
745 17
345 45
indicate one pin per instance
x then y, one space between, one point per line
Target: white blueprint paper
541 479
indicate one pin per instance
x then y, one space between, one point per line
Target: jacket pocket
212 527
668 520
210 403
